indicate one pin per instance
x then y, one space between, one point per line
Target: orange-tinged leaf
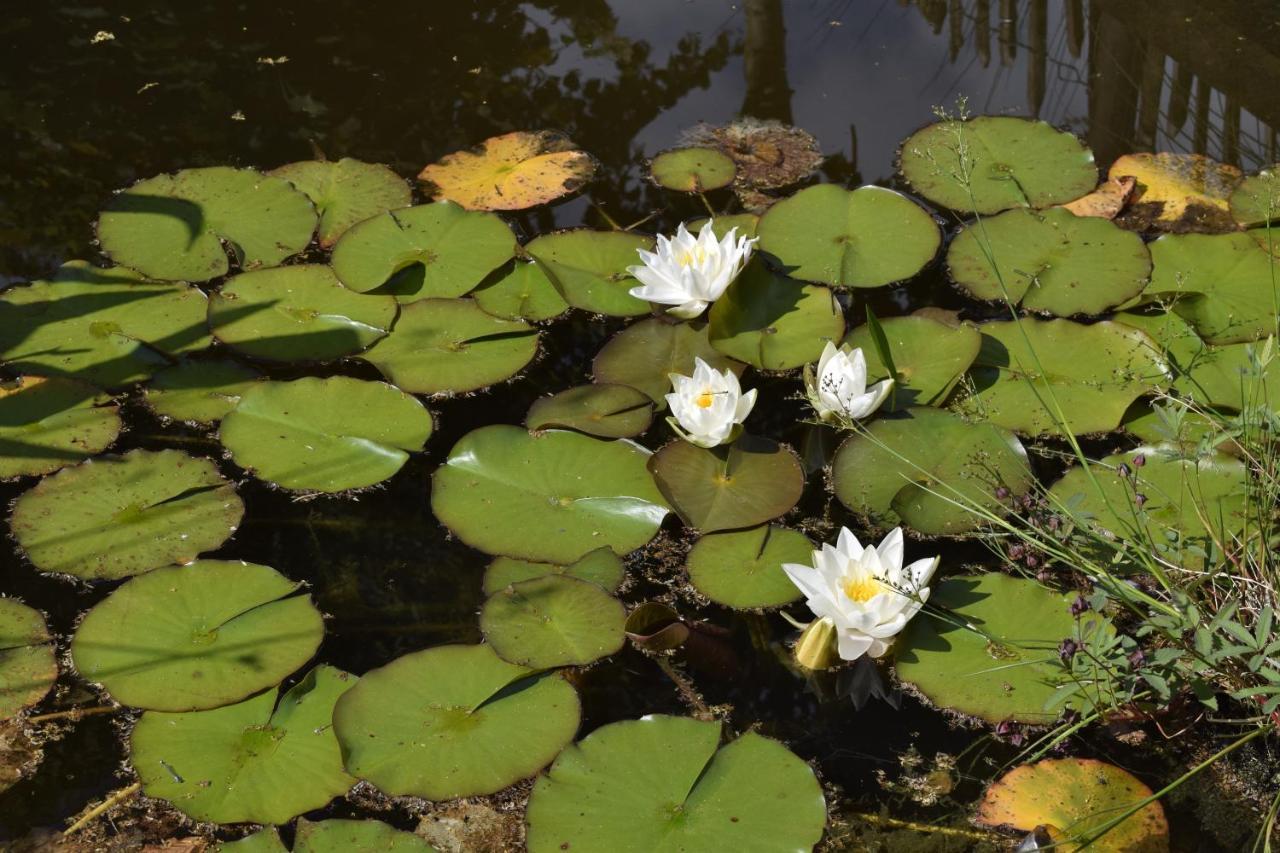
1106 201
1181 192
510 172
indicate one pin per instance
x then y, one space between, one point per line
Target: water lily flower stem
106 805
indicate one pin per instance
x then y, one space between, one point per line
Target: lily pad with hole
556 620
337 835
108 327
345 192
601 567
450 346
1255 203
116 516
28 666
187 638
929 355
181 226
1178 192
772 322
257 761
644 355
325 435
1012 162
513 171
743 569
454 721
868 237
589 268
431 251
520 291
743 484
928 468
608 411
49 423
691 170
666 783
199 392
1050 261
551 497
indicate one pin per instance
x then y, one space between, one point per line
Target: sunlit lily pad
644 355
1050 261
665 783
744 224
347 836
448 346
28 666
1255 203
551 497
511 172
602 567
1178 192
690 170
432 250
589 268
180 226
199 392
866 237
116 516
930 357
743 484
106 326
265 840
552 621
915 468
454 721
743 569
1014 162
345 192
257 761
325 435
47 424
609 411
521 291
772 322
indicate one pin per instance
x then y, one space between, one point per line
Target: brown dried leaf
1107 200
514 171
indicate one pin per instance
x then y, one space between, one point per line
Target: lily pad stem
73 714
688 692
109 803
896 823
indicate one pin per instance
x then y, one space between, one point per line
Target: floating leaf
1255 203
448 346
745 225
929 355
175 226
187 638
521 291
552 621
345 192
265 840
366 836
511 172
866 237
199 392
257 761
915 468
1106 201
643 356
609 411
691 170
1178 192
1050 261
116 516
772 322
769 155
325 435
454 721
744 569
1011 162
28 666
553 497
743 484
601 567
589 268
664 783
655 627
47 424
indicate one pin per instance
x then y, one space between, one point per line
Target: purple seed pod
1139 499
1032 561
1016 550
1080 605
1054 522
1067 650
1002 493
1124 471
1137 659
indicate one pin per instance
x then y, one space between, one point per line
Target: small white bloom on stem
708 408
690 272
839 389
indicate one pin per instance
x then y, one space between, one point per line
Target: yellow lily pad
510 172
1178 192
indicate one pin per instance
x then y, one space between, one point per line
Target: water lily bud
816 649
1139 461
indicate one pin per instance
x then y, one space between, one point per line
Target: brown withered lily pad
514 171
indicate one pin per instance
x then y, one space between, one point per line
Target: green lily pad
551 497
643 356
28 665
930 357
914 468
521 291
1050 261
297 313
664 783
1010 670
175 226
438 251
448 346
743 484
116 516
325 435
601 567
1026 378
589 268
199 392
187 638
609 411
108 327
744 569
345 192
265 840
691 170
1255 202
773 322
868 237
366 836
257 761
454 721
1014 162
553 621
1166 424
47 424
745 223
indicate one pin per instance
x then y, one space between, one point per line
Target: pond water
96 97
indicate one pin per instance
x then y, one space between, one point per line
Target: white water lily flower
690 272
865 593
709 407
839 389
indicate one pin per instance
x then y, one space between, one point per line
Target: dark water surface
170 85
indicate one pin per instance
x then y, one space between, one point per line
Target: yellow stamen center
705 399
862 589
696 255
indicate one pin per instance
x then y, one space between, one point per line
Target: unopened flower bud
1139 461
1124 471
816 649
1067 649
1139 499
1080 605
